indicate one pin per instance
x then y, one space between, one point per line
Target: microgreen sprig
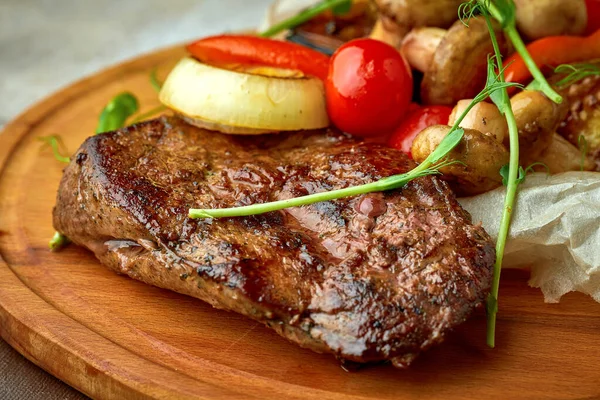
502 101
338 7
522 172
430 166
57 146
575 73
116 112
504 11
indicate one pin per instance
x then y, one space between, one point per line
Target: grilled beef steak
375 277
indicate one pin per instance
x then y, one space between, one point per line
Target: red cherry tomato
416 121
593 12
368 89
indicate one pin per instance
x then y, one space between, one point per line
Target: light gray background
46 44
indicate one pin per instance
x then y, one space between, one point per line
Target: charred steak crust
375 277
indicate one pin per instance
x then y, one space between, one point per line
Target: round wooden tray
113 337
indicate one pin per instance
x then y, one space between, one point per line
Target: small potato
562 156
481 154
537 119
458 68
541 18
419 46
484 117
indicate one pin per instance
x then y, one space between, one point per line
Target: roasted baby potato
581 127
562 156
413 13
541 18
480 157
458 69
537 119
484 117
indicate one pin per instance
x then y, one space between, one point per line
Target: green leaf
575 73
504 171
116 112
55 142
58 241
446 145
497 96
342 8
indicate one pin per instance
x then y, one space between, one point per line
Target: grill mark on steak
368 278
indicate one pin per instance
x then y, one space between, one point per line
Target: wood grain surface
112 337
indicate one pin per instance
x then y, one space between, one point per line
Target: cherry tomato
252 50
368 89
593 12
416 121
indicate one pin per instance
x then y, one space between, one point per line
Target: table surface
47 44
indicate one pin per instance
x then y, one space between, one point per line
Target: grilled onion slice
252 101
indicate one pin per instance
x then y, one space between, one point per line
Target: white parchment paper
555 230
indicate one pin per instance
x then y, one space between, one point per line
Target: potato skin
481 154
541 18
415 13
484 117
537 119
562 156
458 69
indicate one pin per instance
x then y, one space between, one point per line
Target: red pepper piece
252 50
553 51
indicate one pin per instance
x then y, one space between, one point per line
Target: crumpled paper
555 230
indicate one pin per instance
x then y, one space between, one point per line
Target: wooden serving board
112 337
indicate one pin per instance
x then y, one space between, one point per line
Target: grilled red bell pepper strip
553 51
252 50
593 12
